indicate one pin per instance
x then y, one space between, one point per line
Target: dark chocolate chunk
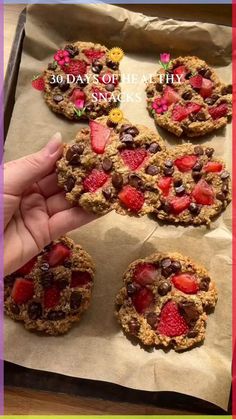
175 266
168 171
209 152
196 176
44 267
164 287
124 128
194 208
111 124
205 72
107 193
166 207
56 315
224 175
117 180
96 67
159 87
227 90
177 182
133 326
220 196
127 139
169 163
187 95
58 98
110 87
204 284
74 152
34 310
75 300
189 311
154 148
152 319
212 99
52 81
197 167
112 65
198 150
225 188
52 66
107 164
135 181
200 116
47 279
15 309
132 288
132 131
180 190
82 81
69 185
63 85
192 334
152 170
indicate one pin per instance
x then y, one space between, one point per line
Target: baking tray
18 376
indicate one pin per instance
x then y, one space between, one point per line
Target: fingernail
54 144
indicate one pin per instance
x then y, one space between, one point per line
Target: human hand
35 209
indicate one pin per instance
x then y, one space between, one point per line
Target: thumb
22 173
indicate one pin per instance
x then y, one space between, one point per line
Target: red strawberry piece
108 78
93 54
179 204
170 95
95 180
145 273
206 88
203 193
78 98
186 283
217 112
51 297
213 166
181 71
75 67
38 83
179 113
142 299
22 291
171 322
80 279
132 198
186 163
196 81
193 107
133 158
99 136
27 268
58 253
164 184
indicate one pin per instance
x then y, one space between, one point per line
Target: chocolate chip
194 208
110 87
52 66
198 150
107 164
169 163
159 87
163 288
227 90
45 267
72 50
63 86
58 98
152 170
205 72
192 334
112 65
52 81
117 180
152 319
189 311
124 128
166 207
135 181
168 171
75 300
224 175
150 93
209 152
154 148
67 263
74 152
132 131
193 117
165 263
187 95
14 309
82 81
34 310
204 284
127 139
56 315
47 279
62 284
220 196
96 67
107 193
132 288
69 185
177 182
200 116
225 188
180 190
196 176
166 269
197 167
188 75
133 326
175 266
111 124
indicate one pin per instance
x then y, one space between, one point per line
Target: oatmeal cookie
52 290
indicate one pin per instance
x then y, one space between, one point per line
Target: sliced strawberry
131 198
170 95
186 283
27 268
80 279
181 71
78 97
145 273
142 299
51 297
93 54
133 158
171 322
206 88
217 112
192 107
165 184
179 113
58 253
99 136
22 291
196 81
75 67
213 166
38 83
95 180
203 193
179 203
186 163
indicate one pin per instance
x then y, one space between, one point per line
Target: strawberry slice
131 198
142 299
217 112
186 163
171 322
78 98
22 291
38 83
95 180
58 253
186 283
170 95
145 273
133 158
179 113
51 297
181 71
203 193
179 204
165 184
196 81
99 136
80 279
213 166
192 107
93 54
206 88
27 268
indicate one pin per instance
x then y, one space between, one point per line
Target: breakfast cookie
107 167
194 186
82 82
193 101
51 292
163 300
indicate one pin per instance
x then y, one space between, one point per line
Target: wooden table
25 401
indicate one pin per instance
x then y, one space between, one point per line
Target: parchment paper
97 348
